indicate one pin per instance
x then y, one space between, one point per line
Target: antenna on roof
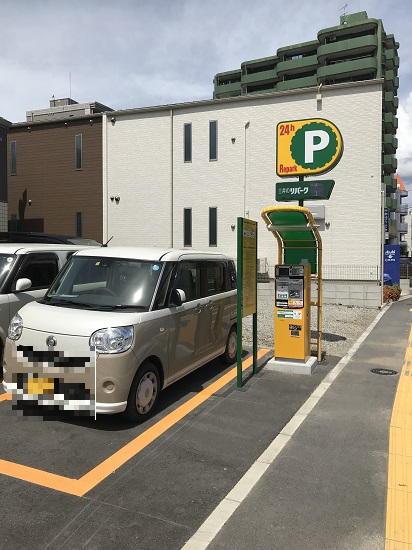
344 9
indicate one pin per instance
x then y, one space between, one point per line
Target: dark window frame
212 140
187 227
78 151
13 158
79 224
213 226
187 142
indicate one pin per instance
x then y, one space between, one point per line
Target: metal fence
406 271
339 272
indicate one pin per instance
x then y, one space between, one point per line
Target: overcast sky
139 53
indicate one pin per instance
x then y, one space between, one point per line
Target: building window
188 142
13 158
13 223
213 226
187 227
79 151
78 224
213 140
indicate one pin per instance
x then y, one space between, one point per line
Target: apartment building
357 49
55 170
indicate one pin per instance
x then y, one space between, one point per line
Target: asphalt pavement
323 482
285 462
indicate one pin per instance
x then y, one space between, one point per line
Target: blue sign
392 264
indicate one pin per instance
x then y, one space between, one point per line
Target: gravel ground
341 326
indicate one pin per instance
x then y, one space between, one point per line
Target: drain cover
385 372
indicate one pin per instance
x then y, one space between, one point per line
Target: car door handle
198 308
210 305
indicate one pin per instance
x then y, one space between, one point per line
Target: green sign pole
239 299
301 200
255 314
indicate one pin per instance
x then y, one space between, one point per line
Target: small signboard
309 190
386 222
392 263
249 267
247 234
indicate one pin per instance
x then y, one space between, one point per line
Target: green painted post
255 315
239 299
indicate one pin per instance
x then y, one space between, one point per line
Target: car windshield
6 262
105 283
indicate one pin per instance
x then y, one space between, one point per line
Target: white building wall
137 169
242 181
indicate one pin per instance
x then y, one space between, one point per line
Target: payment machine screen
289 286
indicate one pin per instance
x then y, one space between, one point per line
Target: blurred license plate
40 386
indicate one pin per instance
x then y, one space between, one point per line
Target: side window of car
188 279
165 286
232 275
41 269
211 278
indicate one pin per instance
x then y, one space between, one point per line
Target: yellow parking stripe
399 500
80 487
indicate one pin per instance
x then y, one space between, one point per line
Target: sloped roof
399 183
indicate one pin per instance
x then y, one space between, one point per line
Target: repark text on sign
305 147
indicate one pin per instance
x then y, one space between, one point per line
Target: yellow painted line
5 397
399 497
80 487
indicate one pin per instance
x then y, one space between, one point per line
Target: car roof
25 248
36 237
150 253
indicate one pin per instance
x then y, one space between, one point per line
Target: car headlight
15 327
112 340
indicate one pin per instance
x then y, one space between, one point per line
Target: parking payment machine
292 312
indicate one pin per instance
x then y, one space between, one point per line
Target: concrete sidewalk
322 483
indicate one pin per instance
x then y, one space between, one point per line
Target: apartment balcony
390 42
391 102
304 49
295 83
403 209
348 69
263 77
390 123
227 84
391 81
361 45
393 229
367 26
390 203
390 144
299 65
390 183
392 59
389 163
403 227
259 65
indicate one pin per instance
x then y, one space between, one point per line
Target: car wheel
230 353
144 393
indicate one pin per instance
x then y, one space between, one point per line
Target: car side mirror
23 284
177 297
